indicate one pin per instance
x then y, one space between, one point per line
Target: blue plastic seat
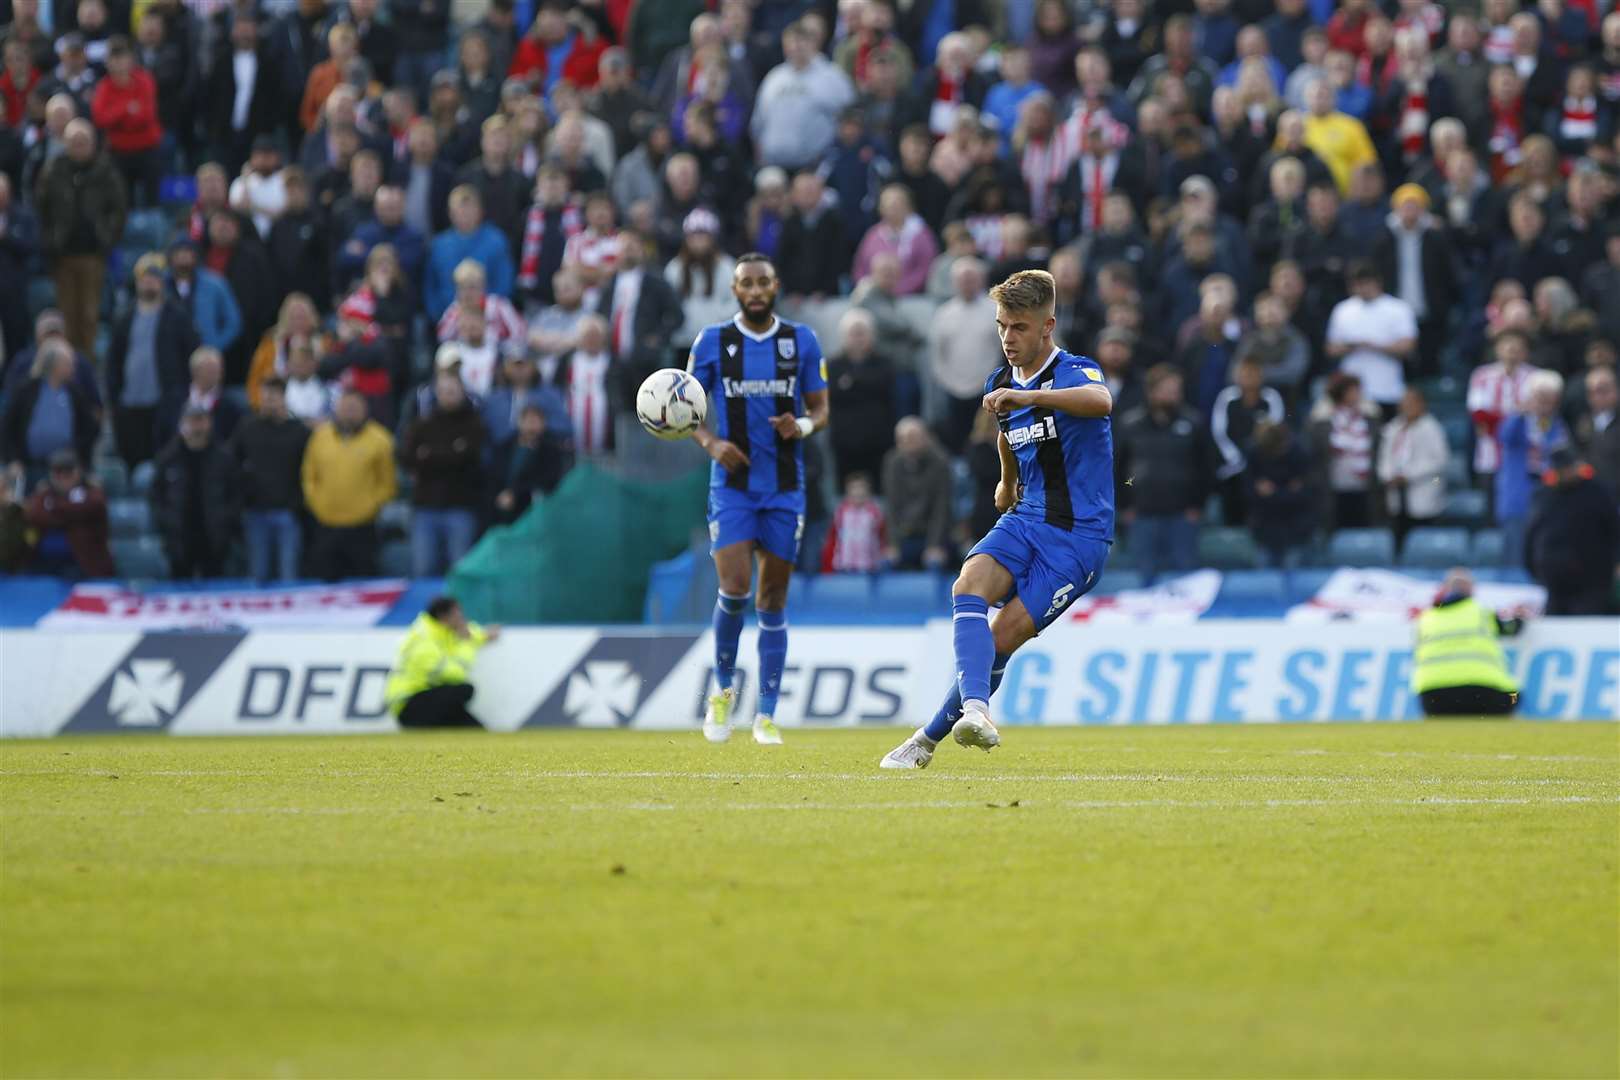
1466 507
129 517
113 475
840 595
1487 548
1458 427
1306 583
394 519
1361 547
139 557
1458 473
1268 585
1435 548
923 594
395 559
140 478
1117 581
1226 548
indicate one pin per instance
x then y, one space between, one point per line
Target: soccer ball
671 404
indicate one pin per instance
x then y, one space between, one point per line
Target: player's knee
771 597
972 581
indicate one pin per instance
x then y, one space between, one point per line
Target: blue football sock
772 658
728 623
975 647
950 712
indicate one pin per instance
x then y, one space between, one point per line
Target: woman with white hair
1527 442
700 269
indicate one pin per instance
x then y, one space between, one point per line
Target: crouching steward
429 685
1458 668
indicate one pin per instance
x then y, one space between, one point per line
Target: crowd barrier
1249 671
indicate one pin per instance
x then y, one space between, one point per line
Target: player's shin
951 711
772 658
975 647
728 623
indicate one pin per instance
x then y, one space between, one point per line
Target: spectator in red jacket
556 49
17 81
71 519
125 109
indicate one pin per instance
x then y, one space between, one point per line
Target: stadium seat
1458 474
1268 585
139 557
1445 390
834 596
129 517
1227 548
146 230
394 520
1487 548
1118 580
1466 507
113 475
1459 430
1361 547
1305 583
921 594
140 479
41 295
395 559
1435 548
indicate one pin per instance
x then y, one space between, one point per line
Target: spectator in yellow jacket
1339 139
348 475
428 686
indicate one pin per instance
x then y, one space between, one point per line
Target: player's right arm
705 368
1007 486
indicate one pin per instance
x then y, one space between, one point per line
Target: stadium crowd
269 265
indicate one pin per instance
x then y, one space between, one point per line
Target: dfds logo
332 693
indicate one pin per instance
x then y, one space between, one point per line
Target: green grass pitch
1334 900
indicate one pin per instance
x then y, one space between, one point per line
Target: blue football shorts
772 519
1051 567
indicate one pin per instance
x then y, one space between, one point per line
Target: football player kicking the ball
1056 498
767 385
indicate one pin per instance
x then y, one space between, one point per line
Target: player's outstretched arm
1091 401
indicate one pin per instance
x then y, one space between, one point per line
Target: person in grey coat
917 489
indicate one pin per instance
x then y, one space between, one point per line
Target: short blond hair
1027 290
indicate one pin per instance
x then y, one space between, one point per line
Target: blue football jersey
1066 463
750 379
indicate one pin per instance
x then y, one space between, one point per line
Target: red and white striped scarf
1507 131
588 402
1579 119
534 236
1096 181
1499 45
858 538
1414 123
502 324
1044 163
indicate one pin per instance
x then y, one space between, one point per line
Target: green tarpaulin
582 554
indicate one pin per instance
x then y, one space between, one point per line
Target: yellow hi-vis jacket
1457 646
431 655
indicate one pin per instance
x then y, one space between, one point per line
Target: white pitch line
873 777
911 804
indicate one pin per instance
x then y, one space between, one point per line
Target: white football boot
915 753
765 732
975 728
717 721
